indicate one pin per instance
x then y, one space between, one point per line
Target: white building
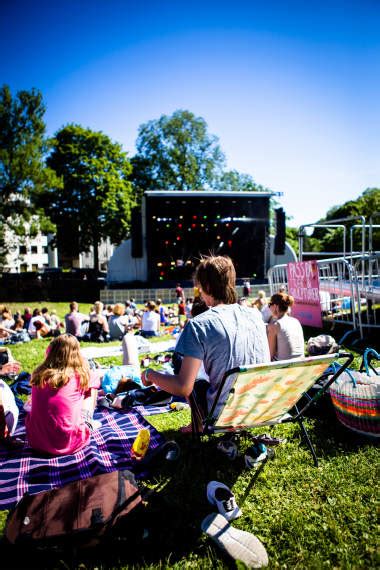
35 254
29 253
86 259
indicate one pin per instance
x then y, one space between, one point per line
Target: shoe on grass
266 439
239 544
229 448
255 454
221 496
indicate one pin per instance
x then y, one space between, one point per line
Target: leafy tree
23 174
235 181
366 205
96 198
176 153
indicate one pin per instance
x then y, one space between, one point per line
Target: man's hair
216 275
199 307
73 306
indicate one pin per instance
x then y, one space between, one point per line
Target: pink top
55 424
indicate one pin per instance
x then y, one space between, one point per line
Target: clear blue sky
291 88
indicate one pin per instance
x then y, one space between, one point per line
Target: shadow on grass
169 528
331 438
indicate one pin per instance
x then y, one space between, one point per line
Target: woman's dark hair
216 275
282 300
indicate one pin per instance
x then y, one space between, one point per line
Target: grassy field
307 517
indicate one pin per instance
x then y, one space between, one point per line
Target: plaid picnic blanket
26 471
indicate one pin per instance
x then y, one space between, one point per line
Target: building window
34 249
23 267
45 249
34 267
23 250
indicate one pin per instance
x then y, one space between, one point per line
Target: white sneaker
220 495
239 544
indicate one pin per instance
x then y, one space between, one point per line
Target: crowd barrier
349 289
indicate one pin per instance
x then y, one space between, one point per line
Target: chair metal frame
232 376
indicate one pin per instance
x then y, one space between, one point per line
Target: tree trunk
96 253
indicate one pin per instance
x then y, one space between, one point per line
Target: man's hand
10 368
144 378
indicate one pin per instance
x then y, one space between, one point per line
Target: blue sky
290 88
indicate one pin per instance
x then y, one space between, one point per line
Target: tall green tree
23 173
235 181
367 205
176 153
96 198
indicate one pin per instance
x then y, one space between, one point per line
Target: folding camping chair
267 394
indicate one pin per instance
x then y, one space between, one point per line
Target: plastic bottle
179 406
141 444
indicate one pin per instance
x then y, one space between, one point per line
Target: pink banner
303 285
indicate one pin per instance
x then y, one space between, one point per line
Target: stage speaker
279 240
136 233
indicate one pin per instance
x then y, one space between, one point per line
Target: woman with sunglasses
285 334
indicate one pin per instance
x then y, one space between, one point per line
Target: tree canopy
367 205
96 197
23 174
235 181
176 153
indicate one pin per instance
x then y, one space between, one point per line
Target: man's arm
181 384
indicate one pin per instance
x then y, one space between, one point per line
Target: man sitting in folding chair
225 336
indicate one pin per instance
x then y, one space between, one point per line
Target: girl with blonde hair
64 392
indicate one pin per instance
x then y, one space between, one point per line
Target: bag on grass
321 344
115 374
82 513
356 398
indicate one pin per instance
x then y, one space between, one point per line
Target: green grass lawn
307 517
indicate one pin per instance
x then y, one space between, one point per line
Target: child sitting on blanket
64 393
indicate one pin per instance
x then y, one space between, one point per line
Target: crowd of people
219 332
101 324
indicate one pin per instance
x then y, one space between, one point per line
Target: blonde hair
118 309
63 359
98 307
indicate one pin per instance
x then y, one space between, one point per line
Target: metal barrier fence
167 296
340 294
367 269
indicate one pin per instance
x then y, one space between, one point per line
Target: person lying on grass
225 336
